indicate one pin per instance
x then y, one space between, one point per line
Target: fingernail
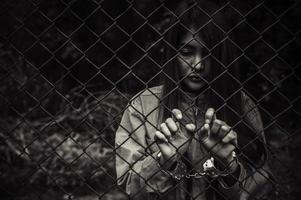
179 116
206 126
190 126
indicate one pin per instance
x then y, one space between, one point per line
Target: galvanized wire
69 68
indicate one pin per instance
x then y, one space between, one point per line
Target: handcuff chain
209 170
196 175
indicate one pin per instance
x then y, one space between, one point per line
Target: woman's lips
195 78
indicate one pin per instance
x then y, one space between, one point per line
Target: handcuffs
209 169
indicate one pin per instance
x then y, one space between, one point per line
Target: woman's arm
137 169
249 184
251 181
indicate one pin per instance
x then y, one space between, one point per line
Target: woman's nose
198 63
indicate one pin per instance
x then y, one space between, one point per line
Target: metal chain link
209 170
69 68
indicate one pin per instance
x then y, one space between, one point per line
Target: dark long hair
223 89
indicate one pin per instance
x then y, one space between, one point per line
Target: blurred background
69 67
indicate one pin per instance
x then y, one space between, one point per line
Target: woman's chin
191 86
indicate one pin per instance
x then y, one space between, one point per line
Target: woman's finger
204 132
177 114
231 137
171 124
165 130
209 115
224 130
160 137
216 125
177 117
190 128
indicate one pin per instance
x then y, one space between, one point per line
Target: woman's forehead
191 38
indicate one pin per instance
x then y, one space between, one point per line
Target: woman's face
194 68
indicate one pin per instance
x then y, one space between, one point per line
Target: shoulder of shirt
247 100
157 90
250 110
148 93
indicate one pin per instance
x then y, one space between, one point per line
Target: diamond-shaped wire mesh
69 72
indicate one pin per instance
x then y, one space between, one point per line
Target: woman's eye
186 52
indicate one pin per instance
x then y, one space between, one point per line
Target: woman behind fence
198 135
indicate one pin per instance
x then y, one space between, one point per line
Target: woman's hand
220 140
172 141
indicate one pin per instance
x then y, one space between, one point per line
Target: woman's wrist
231 171
228 165
233 177
228 168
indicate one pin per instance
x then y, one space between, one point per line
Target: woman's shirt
137 167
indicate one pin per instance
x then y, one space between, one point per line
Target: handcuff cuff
209 169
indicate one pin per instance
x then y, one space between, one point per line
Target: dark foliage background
68 68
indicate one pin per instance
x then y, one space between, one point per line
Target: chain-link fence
70 68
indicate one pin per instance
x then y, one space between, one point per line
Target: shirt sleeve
137 168
252 182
